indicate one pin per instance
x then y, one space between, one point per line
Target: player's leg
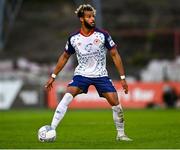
61 109
118 115
106 89
78 85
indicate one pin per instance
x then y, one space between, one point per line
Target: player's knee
73 91
114 103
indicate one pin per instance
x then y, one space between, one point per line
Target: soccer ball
46 134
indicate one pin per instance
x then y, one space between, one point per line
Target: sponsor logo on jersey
88 47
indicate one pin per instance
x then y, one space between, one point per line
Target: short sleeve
69 48
109 43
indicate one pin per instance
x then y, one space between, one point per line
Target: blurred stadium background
33 34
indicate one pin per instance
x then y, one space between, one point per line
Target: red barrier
139 96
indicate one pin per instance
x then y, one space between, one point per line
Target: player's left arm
119 65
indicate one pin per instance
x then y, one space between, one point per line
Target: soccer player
90 45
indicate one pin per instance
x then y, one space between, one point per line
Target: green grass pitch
92 129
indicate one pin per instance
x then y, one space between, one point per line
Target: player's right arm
59 66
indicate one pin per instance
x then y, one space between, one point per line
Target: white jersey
91 52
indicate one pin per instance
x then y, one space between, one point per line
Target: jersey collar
92 31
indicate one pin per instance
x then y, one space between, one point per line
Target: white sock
61 110
118 119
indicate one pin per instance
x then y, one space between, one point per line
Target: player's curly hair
82 8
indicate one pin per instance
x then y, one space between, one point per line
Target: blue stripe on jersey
108 40
69 48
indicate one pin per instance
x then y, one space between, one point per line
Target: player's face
89 19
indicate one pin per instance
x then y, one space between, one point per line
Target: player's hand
125 86
49 84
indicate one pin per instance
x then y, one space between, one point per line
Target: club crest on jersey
96 42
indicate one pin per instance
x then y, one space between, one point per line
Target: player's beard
89 26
